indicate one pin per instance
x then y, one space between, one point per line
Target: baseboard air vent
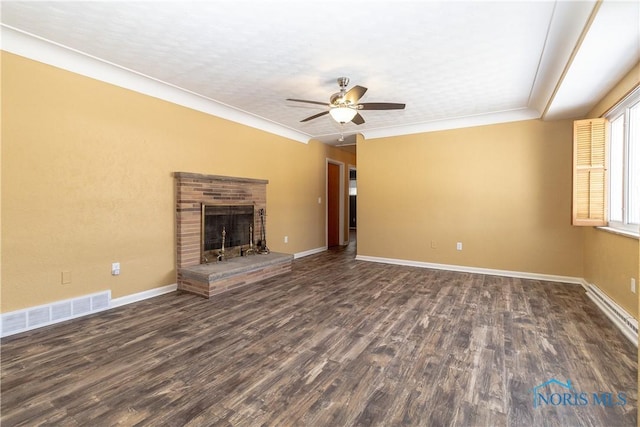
627 324
35 317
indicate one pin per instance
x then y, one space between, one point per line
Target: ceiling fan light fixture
342 114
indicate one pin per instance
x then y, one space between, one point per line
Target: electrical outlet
633 285
459 246
434 244
115 269
286 239
319 200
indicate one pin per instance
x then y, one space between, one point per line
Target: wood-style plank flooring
337 342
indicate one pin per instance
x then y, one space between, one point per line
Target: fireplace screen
234 219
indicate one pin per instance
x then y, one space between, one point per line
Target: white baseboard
14 322
627 324
309 252
478 270
128 299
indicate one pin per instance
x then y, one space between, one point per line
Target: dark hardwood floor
337 342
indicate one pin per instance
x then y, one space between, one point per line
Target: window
624 164
606 168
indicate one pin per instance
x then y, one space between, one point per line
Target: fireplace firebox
236 221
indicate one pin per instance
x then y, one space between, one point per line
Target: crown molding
567 27
553 59
455 123
47 52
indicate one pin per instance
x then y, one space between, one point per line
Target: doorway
333 205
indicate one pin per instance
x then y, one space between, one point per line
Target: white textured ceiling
453 63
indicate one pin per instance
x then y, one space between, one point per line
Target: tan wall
504 191
87 181
610 260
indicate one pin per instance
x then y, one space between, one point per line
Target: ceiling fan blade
380 106
358 119
355 93
309 102
315 116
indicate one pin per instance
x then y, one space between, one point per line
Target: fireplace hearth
205 206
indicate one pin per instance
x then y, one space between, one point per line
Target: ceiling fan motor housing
338 100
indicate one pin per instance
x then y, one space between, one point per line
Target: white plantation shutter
589 172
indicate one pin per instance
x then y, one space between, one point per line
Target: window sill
620 232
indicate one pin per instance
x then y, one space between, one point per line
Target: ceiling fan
344 106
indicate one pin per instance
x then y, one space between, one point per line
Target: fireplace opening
235 220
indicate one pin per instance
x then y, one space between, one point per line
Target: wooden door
333 205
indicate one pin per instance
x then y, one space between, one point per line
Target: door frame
340 203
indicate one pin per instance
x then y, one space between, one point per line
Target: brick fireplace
193 274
